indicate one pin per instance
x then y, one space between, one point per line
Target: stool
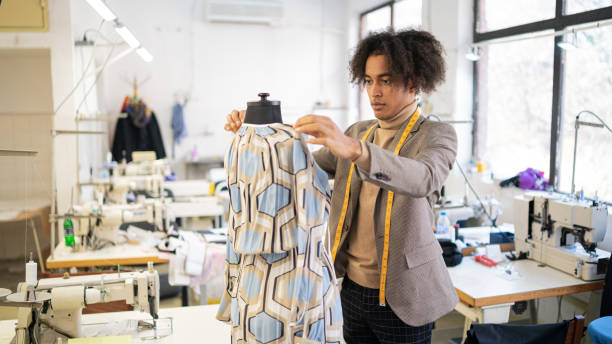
600 330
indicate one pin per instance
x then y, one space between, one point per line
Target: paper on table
494 252
102 340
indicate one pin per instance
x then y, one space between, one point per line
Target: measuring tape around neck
390 194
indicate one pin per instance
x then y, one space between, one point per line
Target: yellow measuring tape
385 255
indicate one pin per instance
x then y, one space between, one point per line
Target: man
388 173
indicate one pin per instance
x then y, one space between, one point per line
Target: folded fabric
195 253
176 271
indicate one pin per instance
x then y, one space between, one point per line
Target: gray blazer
418 286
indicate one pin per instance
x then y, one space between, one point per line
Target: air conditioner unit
245 11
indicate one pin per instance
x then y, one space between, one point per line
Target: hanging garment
179 130
129 137
280 281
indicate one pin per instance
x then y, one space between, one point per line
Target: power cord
82 75
493 221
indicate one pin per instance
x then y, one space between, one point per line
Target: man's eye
386 82
368 82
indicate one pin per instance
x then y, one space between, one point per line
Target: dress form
263 111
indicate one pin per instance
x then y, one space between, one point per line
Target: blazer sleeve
416 177
328 161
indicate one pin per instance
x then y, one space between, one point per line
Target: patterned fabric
280 281
369 323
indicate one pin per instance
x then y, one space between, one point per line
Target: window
495 14
517 98
576 6
396 14
529 89
377 20
588 89
407 14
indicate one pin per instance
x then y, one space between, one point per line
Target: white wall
59 40
223 65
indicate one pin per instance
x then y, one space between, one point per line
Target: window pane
407 14
499 14
575 6
376 21
365 109
515 101
588 86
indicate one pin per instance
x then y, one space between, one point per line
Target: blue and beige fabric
280 281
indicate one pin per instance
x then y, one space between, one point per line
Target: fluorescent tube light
127 35
102 9
144 54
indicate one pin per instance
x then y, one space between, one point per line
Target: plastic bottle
443 226
68 233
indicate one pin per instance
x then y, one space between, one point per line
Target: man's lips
378 106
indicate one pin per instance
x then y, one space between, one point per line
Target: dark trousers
365 321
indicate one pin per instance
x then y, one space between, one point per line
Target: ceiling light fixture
144 54
569 43
473 54
127 35
102 9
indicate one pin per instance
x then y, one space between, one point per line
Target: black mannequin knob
263 111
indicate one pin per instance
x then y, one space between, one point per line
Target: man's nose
376 89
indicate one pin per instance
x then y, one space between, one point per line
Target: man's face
387 94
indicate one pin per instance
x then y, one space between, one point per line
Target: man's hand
234 120
327 133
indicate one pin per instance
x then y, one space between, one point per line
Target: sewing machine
142 168
57 303
562 233
95 223
116 188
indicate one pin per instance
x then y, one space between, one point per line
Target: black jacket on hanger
130 138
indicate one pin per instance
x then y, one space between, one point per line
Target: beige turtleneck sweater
362 267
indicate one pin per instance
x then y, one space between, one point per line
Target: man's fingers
306 120
241 115
314 129
234 115
317 141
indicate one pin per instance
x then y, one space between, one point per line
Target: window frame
374 9
560 22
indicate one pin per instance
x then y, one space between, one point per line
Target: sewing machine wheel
4 293
39 296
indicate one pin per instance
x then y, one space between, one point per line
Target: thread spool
31 272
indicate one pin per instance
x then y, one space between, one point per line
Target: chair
600 330
565 332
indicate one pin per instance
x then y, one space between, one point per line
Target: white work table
124 254
190 324
485 296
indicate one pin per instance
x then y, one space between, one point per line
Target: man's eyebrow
380 75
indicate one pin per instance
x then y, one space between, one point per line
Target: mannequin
263 111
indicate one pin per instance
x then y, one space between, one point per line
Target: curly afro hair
414 57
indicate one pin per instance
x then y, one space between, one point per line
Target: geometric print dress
280 282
